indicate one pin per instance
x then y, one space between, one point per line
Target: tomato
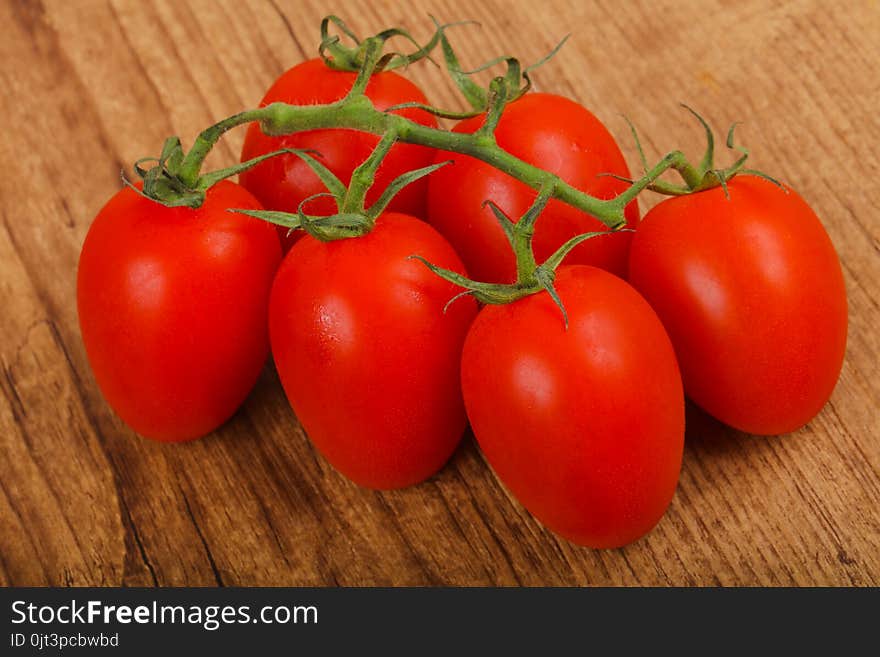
555 134
585 426
751 292
366 355
172 307
282 182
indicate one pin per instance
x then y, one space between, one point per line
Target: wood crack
198 529
290 30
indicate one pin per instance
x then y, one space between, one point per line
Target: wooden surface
88 87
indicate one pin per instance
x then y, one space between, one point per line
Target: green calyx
531 277
353 217
705 175
513 84
503 89
340 57
175 180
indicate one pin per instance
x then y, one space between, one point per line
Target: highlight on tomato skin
553 133
584 426
172 306
752 294
366 355
282 183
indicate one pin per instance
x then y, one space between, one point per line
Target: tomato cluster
732 295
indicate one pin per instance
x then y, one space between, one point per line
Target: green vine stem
357 112
176 179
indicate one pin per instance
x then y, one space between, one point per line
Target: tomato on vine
282 183
557 135
172 305
750 288
569 379
573 392
366 355
584 425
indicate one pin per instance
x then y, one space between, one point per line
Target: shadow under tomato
713 438
708 435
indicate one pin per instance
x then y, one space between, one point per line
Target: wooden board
88 87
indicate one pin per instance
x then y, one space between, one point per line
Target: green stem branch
357 112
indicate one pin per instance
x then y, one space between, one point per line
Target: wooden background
88 87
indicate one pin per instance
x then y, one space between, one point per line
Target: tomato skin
369 361
283 182
752 294
172 306
553 133
585 426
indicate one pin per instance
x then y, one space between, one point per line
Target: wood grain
88 87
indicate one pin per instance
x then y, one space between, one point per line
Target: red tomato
555 134
751 292
369 361
585 426
282 182
172 308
